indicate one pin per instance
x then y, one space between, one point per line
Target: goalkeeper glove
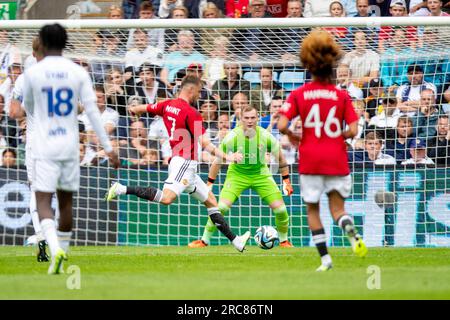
287 186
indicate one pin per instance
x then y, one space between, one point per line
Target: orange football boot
197 244
286 244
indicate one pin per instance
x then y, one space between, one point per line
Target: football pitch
221 273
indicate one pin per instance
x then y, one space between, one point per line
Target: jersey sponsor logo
60 131
320 94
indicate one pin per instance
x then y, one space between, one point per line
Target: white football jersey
52 90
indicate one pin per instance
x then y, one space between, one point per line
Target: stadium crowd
398 78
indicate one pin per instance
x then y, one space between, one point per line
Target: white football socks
64 239
49 230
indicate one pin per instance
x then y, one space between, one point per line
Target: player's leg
173 187
46 176
202 193
269 192
345 222
232 189
311 188
65 202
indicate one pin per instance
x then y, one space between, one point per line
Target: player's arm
352 130
15 109
289 111
283 127
283 165
214 171
207 145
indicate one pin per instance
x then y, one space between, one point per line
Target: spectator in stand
357 142
238 103
151 88
418 153
270 121
9 54
345 79
362 8
371 33
261 96
398 146
434 66
363 62
397 8
6 88
447 95
108 116
167 6
388 118
256 43
409 94
379 8
115 12
181 58
209 35
134 148
395 60
223 127
208 111
374 99
435 8
9 158
317 8
131 8
372 154
350 7
418 8
217 56
224 90
294 9
337 10
236 8
82 148
116 92
439 146
195 69
195 7
171 37
426 120
110 55
143 52
155 36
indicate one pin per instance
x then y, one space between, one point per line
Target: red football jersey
184 125
323 109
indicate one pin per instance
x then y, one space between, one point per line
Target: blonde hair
210 6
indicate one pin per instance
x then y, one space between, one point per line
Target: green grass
222 273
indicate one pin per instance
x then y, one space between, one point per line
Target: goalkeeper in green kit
254 143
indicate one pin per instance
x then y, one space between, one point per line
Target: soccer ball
267 237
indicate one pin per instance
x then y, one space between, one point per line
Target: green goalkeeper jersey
253 150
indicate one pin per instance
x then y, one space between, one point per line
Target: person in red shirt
184 125
323 162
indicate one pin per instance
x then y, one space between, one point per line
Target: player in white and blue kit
16 111
52 89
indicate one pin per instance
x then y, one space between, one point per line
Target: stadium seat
291 80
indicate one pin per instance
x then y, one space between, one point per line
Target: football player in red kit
323 163
184 125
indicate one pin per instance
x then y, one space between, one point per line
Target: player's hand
114 158
235 157
294 139
287 187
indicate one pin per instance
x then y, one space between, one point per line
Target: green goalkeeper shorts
264 185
